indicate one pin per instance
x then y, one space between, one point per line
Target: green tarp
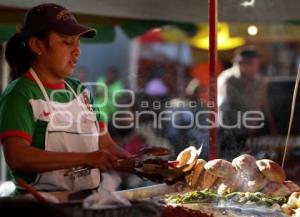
106 33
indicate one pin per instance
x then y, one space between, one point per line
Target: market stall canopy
178 10
135 17
11 16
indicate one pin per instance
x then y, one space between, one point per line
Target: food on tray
244 181
244 174
187 158
248 198
292 186
192 197
223 188
257 198
258 183
271 170
206 180
226 173
292 206
221 185
195 174
173 164
155 151
221 168
246 165
276 189
152 165
157 170
160 170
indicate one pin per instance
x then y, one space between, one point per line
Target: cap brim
88 32
77 29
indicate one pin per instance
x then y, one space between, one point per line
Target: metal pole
133 64
180 72
213 24
5 69
4 83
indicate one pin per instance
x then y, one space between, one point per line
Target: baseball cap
246 53
56 18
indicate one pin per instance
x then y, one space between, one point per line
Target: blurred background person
241 89
196 94
108 86
82 74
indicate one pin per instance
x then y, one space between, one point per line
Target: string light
252 30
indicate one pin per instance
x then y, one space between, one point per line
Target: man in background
241 89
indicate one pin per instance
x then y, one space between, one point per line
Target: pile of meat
244 173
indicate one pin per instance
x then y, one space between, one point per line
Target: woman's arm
21 156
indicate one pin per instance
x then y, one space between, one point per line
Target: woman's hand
102 159
30 159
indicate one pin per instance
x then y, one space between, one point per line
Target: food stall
191 186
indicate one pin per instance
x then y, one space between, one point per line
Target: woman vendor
51 134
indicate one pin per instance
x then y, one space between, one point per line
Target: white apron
71 128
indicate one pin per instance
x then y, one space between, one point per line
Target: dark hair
19 55
246 53
38 22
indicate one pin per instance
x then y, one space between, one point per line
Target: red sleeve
17 133
102 124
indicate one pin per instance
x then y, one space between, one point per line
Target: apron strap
41 86
76 96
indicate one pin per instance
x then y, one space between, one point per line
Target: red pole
213 24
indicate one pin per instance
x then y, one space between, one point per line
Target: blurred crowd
158 115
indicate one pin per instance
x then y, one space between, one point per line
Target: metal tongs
159 170
130 163
152 151
156 169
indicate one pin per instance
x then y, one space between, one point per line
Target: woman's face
61 54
